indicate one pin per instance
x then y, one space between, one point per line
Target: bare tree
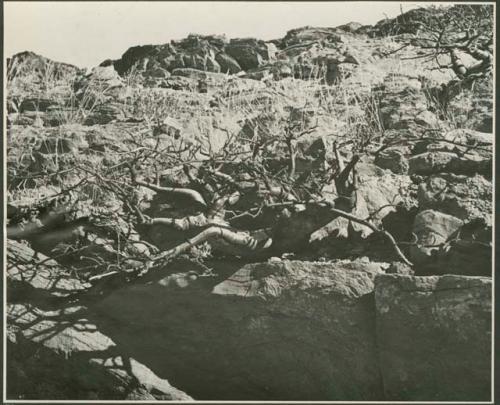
456 31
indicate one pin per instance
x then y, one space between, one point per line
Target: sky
87 33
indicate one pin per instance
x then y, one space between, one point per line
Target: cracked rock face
461 196
434 337
283 330
432 228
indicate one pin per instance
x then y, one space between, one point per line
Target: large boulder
405 23
227 63
465 197
249 53
310 34
466 143
281 330
441 161
194 52
470 254
246 56
100 85
379 193
178 83
434 337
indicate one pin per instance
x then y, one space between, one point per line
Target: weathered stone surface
158 72
69 358
179 83
434 337
465 144
438 162
431 229
227 63
403 104
209 79
427 119
276 278
105 74
351 27
461 196
400 268
379 192
308 34
258 331
245 53
48 277
394 160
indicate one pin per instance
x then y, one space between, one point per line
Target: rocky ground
178 228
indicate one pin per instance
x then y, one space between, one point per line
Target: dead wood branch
374 228
241 239
173 191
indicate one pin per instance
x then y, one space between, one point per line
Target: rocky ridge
332 312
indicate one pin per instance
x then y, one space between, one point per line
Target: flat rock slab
280 330
274 279
434 337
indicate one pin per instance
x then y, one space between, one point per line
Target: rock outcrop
280 330
29 64
261 327
434 337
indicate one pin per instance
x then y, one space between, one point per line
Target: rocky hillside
308 218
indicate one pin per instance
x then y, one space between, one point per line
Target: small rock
394 160
400 268
427 119
431 228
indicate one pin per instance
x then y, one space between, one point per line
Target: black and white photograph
248 201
